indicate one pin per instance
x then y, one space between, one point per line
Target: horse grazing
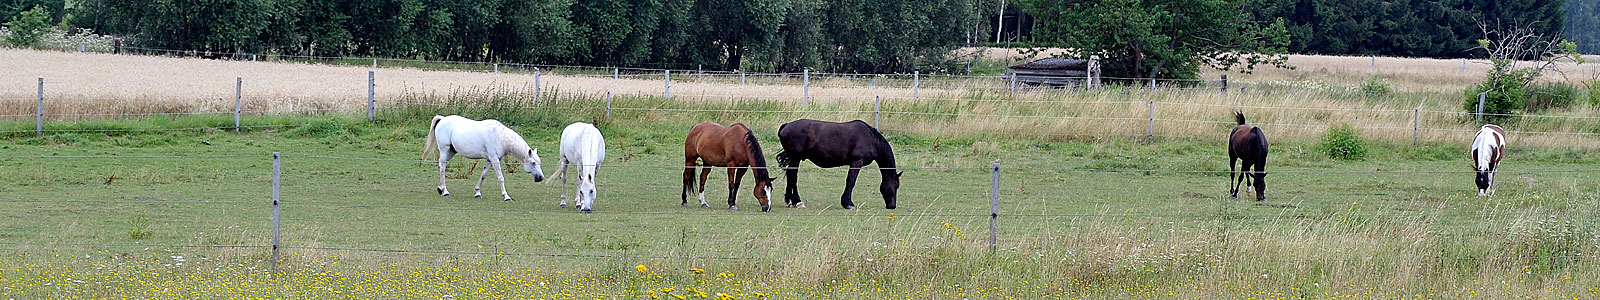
581 146
733 147
487 139
829 144
1247 143
1487 149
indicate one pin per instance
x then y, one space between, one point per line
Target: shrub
26 28
1503 98
1590 95
1342 143
1550 96
1375 87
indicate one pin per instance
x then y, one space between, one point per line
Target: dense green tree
756 35
1422 28
27 26
1582 24
1160 39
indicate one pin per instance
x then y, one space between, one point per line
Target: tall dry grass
89 85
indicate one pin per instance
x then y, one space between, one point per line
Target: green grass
1096 219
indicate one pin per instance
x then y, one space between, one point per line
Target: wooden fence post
1416 114
994 206
916 85
238 101
805 91
666 84
276 182
1151 135
1224 83
38 125
372 103
608 106
877 107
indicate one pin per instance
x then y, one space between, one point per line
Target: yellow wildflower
641 269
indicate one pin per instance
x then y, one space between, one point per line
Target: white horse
487 139
1487 149
581 145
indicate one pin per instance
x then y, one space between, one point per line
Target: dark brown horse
733 147
1247 143
829 144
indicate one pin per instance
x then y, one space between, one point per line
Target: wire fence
307 206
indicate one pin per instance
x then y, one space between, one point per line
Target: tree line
1408 28
876 36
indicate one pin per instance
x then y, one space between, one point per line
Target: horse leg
1233 185
705 173
1260 181
735 176
850 186
791 194
477 190
498 174
564 164
444 161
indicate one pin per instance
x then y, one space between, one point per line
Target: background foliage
752 35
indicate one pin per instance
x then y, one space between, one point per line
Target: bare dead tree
1524 54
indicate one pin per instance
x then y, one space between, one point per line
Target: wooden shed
1056 72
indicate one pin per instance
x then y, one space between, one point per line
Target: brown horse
1247 143
733 147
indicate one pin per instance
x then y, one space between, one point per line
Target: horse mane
757 160
512 141
1239 115
887 155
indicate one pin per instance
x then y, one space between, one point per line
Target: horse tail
430 144
1238 115
784 161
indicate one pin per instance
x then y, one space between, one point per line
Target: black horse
829 144
1247 143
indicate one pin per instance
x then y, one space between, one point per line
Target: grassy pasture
153 214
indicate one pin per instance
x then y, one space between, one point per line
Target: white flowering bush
57 39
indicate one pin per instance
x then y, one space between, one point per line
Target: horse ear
897 174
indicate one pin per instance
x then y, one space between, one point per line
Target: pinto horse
1248 144
733 147
1487 149
487 139
829 144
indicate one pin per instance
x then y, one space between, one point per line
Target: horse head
890 188
531 165
764 192
1259 179
586 193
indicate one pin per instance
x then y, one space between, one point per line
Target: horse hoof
585 210
683 205
563 205
800 205
478 196
733 208
702 205
850 207
508 199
